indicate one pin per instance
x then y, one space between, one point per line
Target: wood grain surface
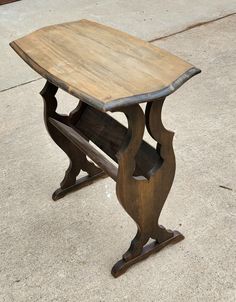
102 66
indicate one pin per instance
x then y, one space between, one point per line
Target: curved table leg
78 160
142 198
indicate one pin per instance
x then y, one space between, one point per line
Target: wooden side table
108 70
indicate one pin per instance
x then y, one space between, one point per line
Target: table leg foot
79 184
121 266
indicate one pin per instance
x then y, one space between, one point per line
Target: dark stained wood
78 160
121 266
7 1
79 184
102 66
143 200
83 145
108 134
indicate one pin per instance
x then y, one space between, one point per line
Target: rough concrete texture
64 251
146 19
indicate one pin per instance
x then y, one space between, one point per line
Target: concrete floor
64 251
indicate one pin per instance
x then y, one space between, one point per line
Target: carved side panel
143 199
77 158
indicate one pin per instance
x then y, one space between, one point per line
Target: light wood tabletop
104 67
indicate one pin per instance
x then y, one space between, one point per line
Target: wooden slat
84 146
105 67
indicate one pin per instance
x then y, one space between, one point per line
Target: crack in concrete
21 84
191 27
151 41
